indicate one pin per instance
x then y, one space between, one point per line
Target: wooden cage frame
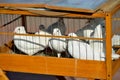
57 66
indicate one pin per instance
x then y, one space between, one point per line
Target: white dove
57 44
28 44
79 49
98 45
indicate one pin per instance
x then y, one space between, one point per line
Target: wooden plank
11 34
108 46
50 13
53 66
2 11
95 79
47 7
3 76
90 79
110 5
115 9
6 47
85 68
69 9
21 5
115 66
116 19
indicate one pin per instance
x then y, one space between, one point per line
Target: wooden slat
115 66
3 76
47 6
85 68
6 47
108 47
69 9
95 79
53 66
50 13
21 5
3 11
81 37
90 79
115 9
116 19
110 5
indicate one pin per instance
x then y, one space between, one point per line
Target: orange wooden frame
63 66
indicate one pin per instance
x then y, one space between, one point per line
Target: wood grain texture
50 13
53 66
108 46
47 7
115 66
2 75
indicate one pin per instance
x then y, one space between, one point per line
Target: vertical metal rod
108 46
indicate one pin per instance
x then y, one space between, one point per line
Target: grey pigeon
59 24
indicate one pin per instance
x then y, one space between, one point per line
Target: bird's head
72 35
42 27
19 29
57 32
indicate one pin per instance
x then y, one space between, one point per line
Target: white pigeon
28 44
79 49
114 56
43 40
57 44
116 40
95 51
87 33
98 45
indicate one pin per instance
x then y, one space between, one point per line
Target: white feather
87 33
95 51
57 44
28 44
79 49
98 45
116 40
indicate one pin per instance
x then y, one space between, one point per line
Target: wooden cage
90 69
